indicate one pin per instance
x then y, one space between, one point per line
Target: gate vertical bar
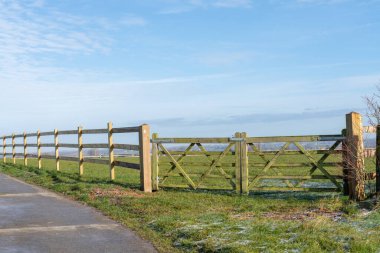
80 150
111 152
378 160
25 151
145 159
238 164
345 164
13 148
355 156
56 147
39 149
155 160
244 164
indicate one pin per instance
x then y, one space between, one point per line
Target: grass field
215 221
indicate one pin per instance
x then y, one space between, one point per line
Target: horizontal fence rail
144 164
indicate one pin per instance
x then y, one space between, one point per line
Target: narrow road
34 220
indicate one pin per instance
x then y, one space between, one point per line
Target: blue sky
188 67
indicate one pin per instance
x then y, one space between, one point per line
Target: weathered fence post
345 165
56 146
13 148
39 149
244 164
238 164
155 158
145 162
80 150
25 151
378 160
355 159
4 149
111 152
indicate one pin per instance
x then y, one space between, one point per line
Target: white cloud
132 20
176 7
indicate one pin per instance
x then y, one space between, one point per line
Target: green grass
214 221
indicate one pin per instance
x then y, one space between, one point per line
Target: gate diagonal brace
318 165
320 161
179 161
214 164
178 166
262 156
270 163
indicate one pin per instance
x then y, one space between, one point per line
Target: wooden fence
143 148
240 164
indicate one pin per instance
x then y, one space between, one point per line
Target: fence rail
143 148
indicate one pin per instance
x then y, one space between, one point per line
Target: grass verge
216 221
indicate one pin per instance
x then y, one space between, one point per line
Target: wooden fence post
355 159
80 151
13 148
145 162
56 145
238 164
345 164
155 160
39 149
244 164
378 160
4 149
25 151
111 152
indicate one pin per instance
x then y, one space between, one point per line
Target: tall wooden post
244 164
238 164
355 156
378 160
110 152
345 164
25 151
56 145
13 149
4 149
80 151
39 158
145 162
155 160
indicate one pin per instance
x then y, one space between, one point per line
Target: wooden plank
111 152
279 189
178 166
48 156
355 159
244 165
19 136
48 145
13 149
39 160
68 132
67 145
56 144
297 165
19 145
197 153
31 134
96 145
47 133
378 161
199 164
310 138
25 150
95 131
4 149
238 164
135 166
294 152
192 140
296 177
126 130
155 162
127 147
318 165
80 150
98 161
145 159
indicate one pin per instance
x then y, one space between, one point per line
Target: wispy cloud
176 7
133 20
